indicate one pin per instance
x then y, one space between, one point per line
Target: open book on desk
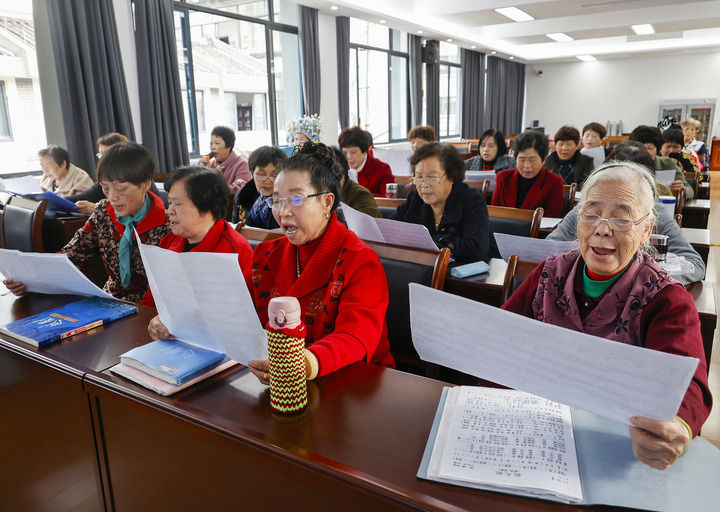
387 230
516 443
56 203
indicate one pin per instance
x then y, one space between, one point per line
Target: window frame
390 53
457 65
5 106
270 26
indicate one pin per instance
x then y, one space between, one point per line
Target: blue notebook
55 202
65 321
172 361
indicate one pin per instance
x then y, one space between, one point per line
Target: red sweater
546 192
375 175
221 238
670 323
342 291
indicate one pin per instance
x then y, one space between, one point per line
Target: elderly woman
531 184
567 161
371 173
196 214
338 280
233 168
59 175
652 138
492 154
352 193
592 135
251 203
454 213
125 173
420 136
690 128
672 147
612 289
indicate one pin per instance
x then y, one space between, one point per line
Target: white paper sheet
531 249
665 177
47 273
597 154
202 299
21 185
397 159
388 230
604 377
549 222
3 288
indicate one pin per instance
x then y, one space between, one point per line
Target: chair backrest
679 199
405 265
515 274
568 197
693 178
257 235
387 211
387 201
678 219
22 224
403 179
515 221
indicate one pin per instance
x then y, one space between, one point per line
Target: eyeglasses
262 177
615 223
294 201
430 181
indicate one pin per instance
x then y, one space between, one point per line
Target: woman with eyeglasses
611 288
454 213
337 278
125 173
251 203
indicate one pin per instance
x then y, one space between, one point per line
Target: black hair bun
319 152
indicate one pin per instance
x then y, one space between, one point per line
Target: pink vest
618 314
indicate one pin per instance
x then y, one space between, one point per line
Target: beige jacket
74 182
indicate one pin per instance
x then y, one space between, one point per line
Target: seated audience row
492 154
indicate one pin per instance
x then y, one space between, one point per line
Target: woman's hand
158 331
85 207
676 185
658 443
261 369
15 287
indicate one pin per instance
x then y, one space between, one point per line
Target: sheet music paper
21 185
605 377
3 288
506 439
47 273
211 307
597 154
665 177
549 222
531 249
397 159
388 230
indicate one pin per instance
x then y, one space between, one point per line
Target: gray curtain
342 30
309 59
91 79
432 87
506 93
473 109
416 89
163 124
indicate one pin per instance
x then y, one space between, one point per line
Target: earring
327 215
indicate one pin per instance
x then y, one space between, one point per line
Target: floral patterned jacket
100 238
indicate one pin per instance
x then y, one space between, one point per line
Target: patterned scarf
617 315
260 210
125 246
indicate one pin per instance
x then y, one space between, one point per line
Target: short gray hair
636 176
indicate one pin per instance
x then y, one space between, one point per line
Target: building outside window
379 97
450 90
235 63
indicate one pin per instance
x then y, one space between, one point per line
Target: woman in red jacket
196 210
530 185
337 278
368 171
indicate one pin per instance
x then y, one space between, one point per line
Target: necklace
297 260
438 220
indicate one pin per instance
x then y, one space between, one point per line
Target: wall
619 89
328 79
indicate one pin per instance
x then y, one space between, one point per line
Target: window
238 69
5 133
379 78
450 90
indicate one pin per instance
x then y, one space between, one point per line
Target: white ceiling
599 27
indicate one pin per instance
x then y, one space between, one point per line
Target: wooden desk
49 458
389 201
699 239
704 190
696 213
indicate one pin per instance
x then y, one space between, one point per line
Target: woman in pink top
234 168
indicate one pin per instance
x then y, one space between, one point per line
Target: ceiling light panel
586 58
514 14
559 37
643 30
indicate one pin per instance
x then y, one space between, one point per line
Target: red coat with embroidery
375 175
221 238
342 291
546 192
100 237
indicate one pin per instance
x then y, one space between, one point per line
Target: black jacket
464 227
582 166
242 204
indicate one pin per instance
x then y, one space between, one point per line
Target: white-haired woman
611 288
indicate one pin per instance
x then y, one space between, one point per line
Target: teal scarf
129 221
